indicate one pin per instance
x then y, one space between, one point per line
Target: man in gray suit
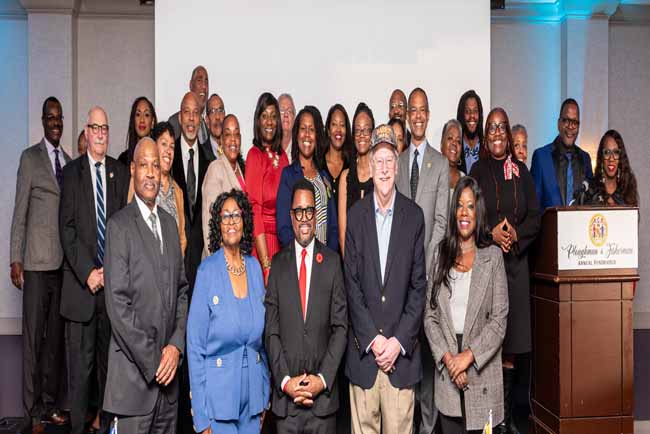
199 85
36 258
146 301
424 177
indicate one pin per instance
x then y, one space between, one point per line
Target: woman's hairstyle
240 159
394 121
361 108
161 128
320 135
265 100
348 144
626 181
510 147
132 135
215 238
519 128
460 113
445 130
449 246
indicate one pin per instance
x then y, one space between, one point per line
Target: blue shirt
384 223
471 154
421 148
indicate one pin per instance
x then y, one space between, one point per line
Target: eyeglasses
216 110
362 131
571 123
231 218
96 127
493 127
611 153
287 112
397 105
388 162
304 214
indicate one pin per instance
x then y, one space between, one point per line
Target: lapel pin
428 165
215 299
319 258
110 175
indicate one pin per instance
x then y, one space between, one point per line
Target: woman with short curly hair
227 361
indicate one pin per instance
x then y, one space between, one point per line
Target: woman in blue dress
229 376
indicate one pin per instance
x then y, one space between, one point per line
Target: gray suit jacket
35 225
146 301
203 129
483 332
432 195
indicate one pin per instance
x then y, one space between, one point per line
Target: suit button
383 299
485 391
192 412
190 394
487 315
219 362
259 358
381 331
215 299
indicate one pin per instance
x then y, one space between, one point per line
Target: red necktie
302 283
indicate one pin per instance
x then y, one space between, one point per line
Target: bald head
397 105
145 171
190 117
96 132
199 84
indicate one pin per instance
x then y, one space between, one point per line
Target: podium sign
590 240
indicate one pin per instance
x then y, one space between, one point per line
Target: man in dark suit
306 324
94 188
386 282
146 301
200 85
36 258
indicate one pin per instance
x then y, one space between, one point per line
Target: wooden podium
583 376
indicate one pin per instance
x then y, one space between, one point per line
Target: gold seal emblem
598 230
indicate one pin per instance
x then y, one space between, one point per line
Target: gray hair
289 97
519 128
450 123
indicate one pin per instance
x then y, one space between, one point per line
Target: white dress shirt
50 153
93 177
185 153
146 212
214 145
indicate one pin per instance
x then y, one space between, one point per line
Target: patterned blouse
167 201
321 207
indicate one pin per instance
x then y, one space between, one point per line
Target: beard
469 134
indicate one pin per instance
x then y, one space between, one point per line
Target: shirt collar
421 147
391 207
185 147
310 248
92 161
50 147
144 209
215 146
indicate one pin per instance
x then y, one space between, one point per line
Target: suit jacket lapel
425 170
48 163
445 310
152 251
477 288
398 216
371 227
89 192
294 285
111 206
314 291
230 174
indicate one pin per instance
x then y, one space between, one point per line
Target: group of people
343 277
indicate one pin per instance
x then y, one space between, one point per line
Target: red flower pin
319 258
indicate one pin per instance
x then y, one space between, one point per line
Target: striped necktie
101 214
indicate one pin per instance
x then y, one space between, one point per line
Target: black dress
356 189
517 201
336 181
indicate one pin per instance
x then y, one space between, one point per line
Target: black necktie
191 181
415 175
57 168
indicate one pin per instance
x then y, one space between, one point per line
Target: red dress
262 182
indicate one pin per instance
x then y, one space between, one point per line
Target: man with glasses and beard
560 168
306 324
470 116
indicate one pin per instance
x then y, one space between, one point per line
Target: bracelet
266 264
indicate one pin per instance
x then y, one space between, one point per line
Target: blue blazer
214 350
290 175
543 171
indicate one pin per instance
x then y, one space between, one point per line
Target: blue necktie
101 215
569 179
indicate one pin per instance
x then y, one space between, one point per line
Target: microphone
582 193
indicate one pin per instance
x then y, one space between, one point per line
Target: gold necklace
238 271
275 158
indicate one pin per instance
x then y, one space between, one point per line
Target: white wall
115 66
526 77
13 112
629 113
324 52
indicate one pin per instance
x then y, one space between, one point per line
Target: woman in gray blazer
465 317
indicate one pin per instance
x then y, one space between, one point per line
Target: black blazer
193 226
314 346
391 308
146 301
78 229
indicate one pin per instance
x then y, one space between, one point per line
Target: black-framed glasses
216 110
231 218
95 128
304 214
493 127
362 131
571 123
611 153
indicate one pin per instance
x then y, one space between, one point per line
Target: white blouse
459 282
